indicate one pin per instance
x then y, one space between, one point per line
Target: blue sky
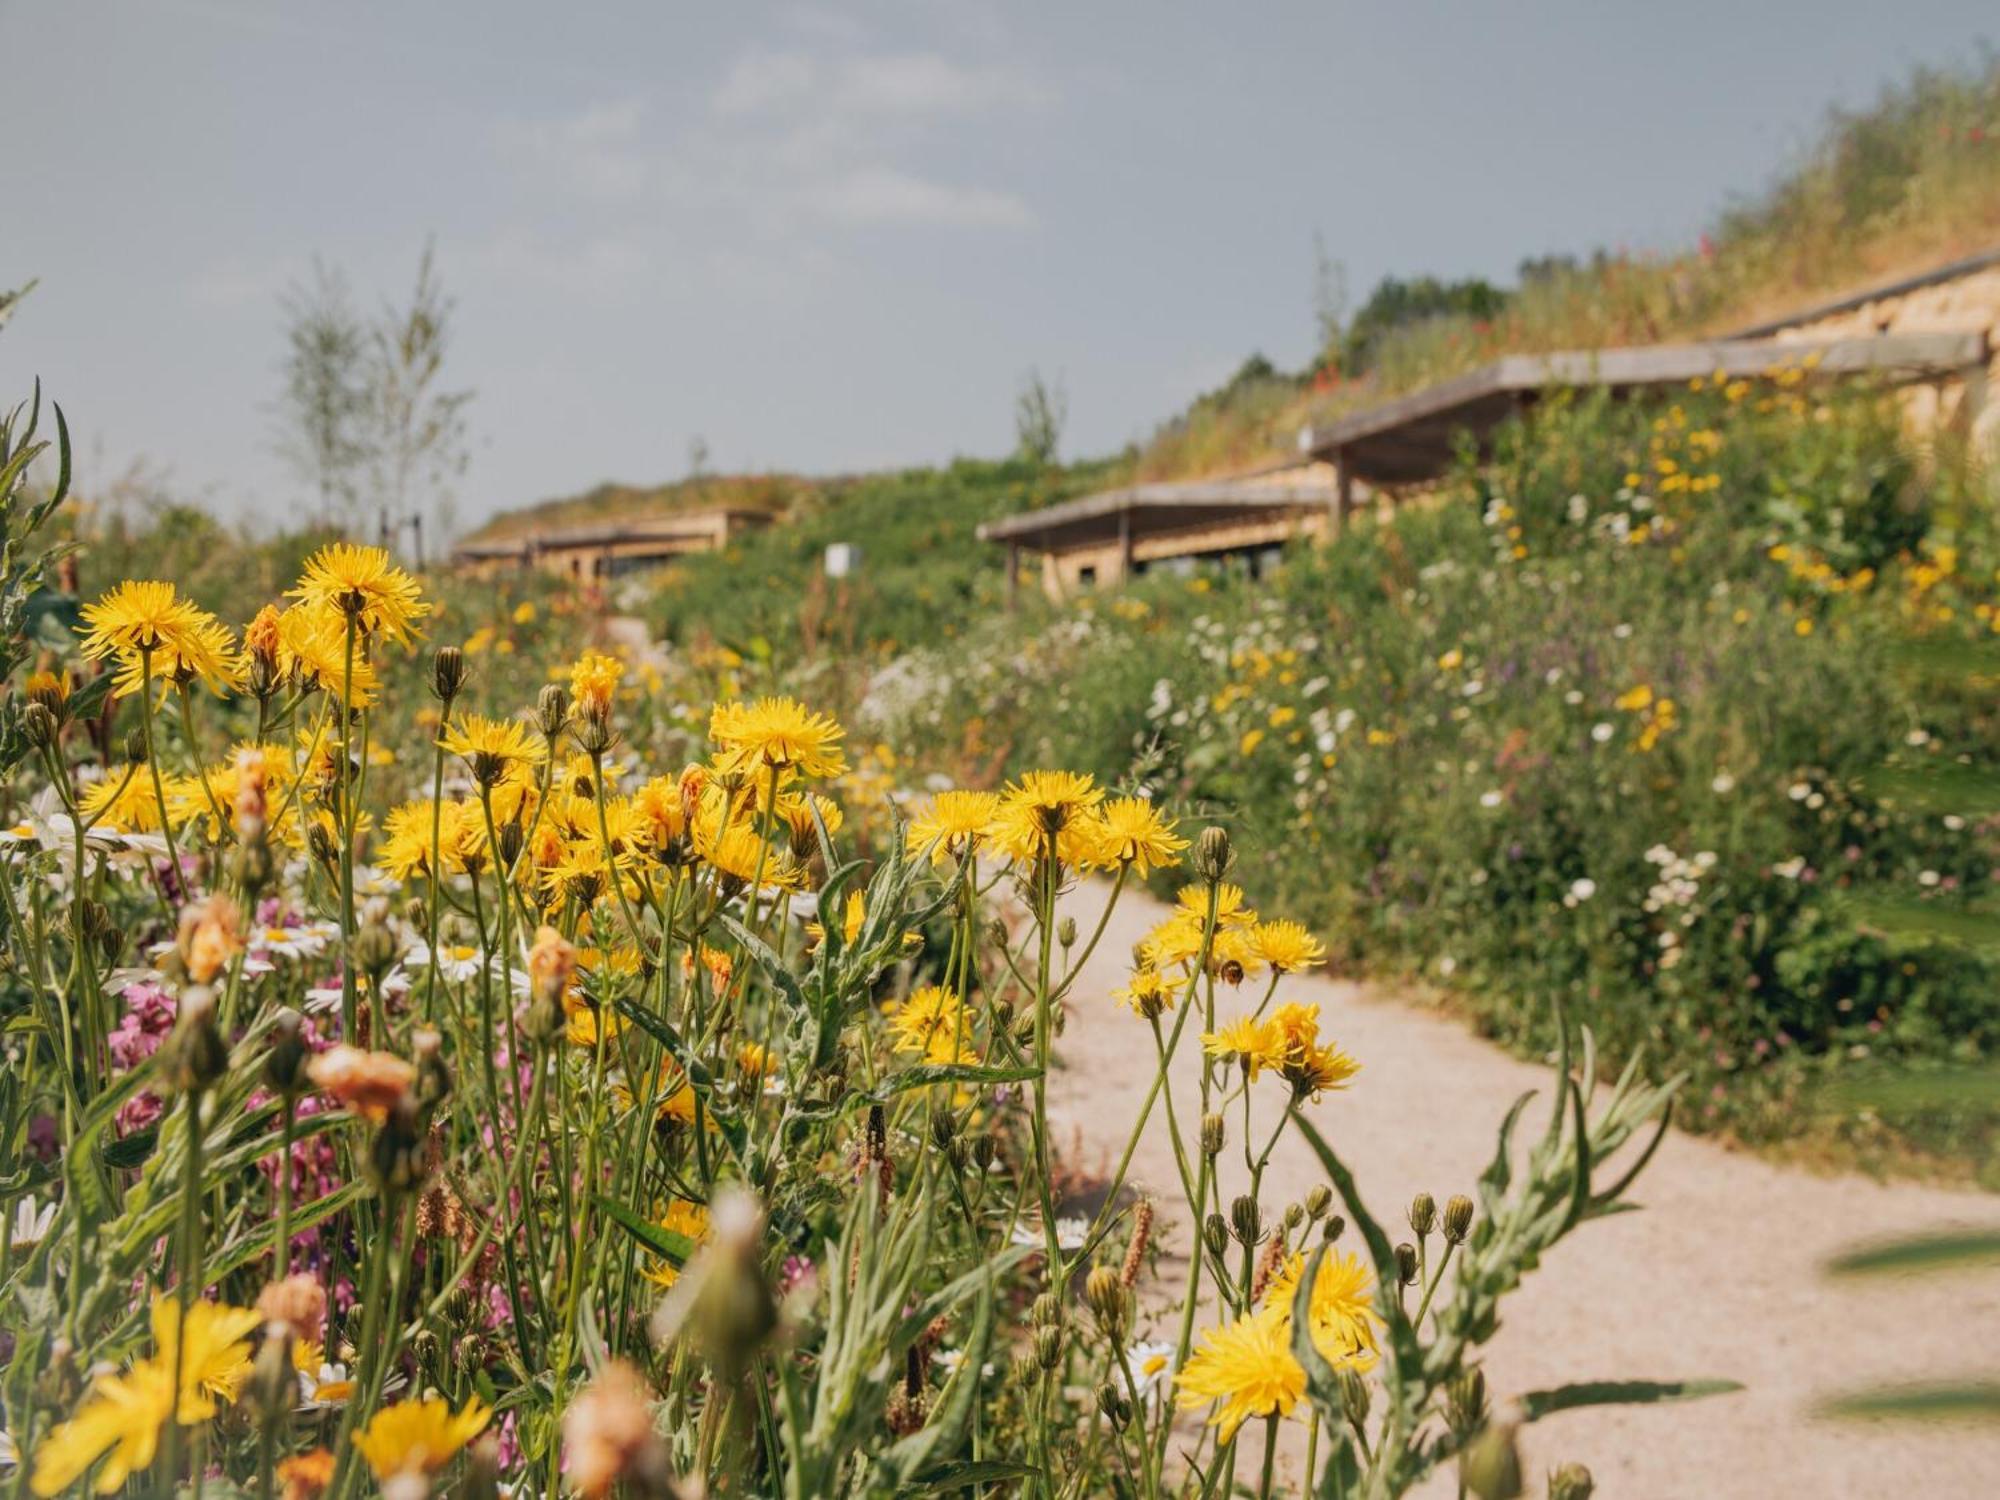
836 237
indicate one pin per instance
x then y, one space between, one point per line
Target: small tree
1040 412
417 430
322 411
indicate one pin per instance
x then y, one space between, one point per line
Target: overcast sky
837 237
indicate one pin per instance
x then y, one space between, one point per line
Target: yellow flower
312 649
122 1418
1146 992
216 1360
1295 1051
777 734
491 746
1451 660
954 825
593 682
688 1220
1131 832
147 628
932 1025
1634 700
524 612
1246 1367
1246 1040
419 1437
1286 946
1342 1311
1044 808
123 800
365 587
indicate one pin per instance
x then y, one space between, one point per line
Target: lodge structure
600 553
1125 533
1934 337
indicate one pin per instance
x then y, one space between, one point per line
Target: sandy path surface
1720 1276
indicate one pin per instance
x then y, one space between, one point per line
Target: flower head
491 747
779 734
1049 809
593 683
1247 1368
1342 1307
954 825
419 1437
1286 946
365 587
932 1025
150 631
119 1421
369 1083
1131 832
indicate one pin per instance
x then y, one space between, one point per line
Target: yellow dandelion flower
1246 1040
1147 992
365 587
1044 809
933 1026
593 682
419 1437
119 1421
688 1220
147 628
1246 1369
954 824
312 651
1286 946
1343 1309
1131 832
216 1360
122 801
777 734
491 746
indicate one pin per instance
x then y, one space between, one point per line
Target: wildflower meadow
417 1088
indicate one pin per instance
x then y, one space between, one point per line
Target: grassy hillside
1910 182
609 501
1605 725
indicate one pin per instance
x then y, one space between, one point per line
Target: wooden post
1013 574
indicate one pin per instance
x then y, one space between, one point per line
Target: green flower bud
1213 855
1212 1135
447 673
1571 1482
1295 1215
1048 1347
1333 1229
1246 1221
1117 1410
1465 1399
1318 1201
195 1055
1406 1263
1491 1465
1457 1218
285 1063
1353 1394
1423 1214
1215 1234
1066 932
396 1158
552 710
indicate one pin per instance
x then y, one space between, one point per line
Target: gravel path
1720 1276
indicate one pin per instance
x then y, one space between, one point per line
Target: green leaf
947 1426
1538 1404
1951 1250
662 1241
1975 1401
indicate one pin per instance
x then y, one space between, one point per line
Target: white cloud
595 152
901 85
888 195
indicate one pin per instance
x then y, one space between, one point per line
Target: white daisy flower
31 1224
1152 1363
